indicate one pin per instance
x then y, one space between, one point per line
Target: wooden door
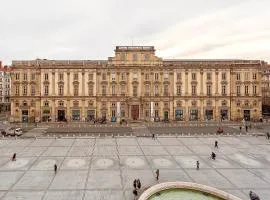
135 112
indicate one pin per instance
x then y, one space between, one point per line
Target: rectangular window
123 89
146 57
103 76
156 113
17 90
25 77
178 90
103 89
238 76
254 76
46 76
123 76
134 57
156 90
166 90
223 76
91 77
25 90
17 76
147 113
61 90
147 90
238 91
123 113
33 90
156 76
193 76
135 88
33 76
61 77
246 76
208 76
179 76
46 90
246 89
194 90
223 91
113 90
209 89
254 89
76 90
113 76
147 77
91 90
75 77
166 76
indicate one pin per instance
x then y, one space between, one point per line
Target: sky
90 29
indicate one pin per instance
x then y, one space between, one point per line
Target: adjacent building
266 90
135 84
5 84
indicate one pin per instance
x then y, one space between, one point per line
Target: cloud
88 29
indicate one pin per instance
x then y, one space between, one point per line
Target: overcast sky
88 29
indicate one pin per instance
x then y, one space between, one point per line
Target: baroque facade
5 84
136 84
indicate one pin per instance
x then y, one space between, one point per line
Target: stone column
83 84
201 82
186 83
53 83
68 83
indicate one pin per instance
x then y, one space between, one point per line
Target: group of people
137 186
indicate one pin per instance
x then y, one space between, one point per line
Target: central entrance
135 112
61 115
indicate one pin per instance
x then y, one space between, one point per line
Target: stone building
5 83
266 90
136 84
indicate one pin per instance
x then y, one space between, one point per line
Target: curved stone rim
187 185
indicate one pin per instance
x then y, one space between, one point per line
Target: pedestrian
139 184
253 196
216 144
246 128
13 157
240 127
198 164
153 136
268 135
135 193
213 156
135 184
157 174
55 168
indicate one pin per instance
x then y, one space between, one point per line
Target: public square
101 168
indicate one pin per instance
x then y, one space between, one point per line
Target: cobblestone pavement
104 168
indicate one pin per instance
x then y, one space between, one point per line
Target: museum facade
135 84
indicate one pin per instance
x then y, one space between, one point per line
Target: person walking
153 136
157 174
55 168
13 157
135 184
139 184
253 196
240 128
135 193
198 164
216 144
213 156
267 135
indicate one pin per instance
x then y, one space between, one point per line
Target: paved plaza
104 168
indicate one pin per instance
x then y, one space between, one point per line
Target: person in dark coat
13 157
198 164
213 156
267 135
135 193
216 144
253 196
246 128
135 184
139 184
157 174
240 127
55 168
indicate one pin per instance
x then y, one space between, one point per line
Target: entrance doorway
247 115
166 116
135 112
24 115
61 115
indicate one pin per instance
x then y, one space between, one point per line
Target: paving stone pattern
104 168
